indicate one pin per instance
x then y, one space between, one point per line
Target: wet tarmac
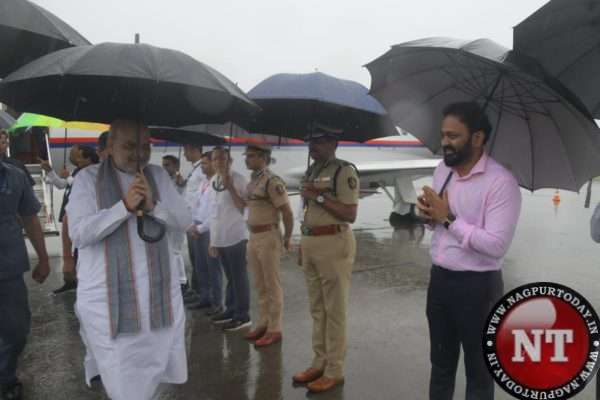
388 338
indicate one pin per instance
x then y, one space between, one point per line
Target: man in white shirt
129 304
228 238
198 291
209 268
80 157
63 179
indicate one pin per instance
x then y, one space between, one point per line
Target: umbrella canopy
293 103
6 120
564 36
540 130
107 81
148 84
29 119
27 31
185 135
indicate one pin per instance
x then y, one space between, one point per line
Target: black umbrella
27 31
540 130
6 120
293 103
186 135
564 36
104 82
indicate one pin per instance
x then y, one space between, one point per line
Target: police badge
352 182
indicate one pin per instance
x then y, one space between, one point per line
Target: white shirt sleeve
55 180
241 185
172 208
213 213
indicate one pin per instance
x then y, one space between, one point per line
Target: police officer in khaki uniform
327 249
267 199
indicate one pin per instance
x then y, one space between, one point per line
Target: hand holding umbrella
134 197
64 173
142 187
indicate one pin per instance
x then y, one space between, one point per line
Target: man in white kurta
131 365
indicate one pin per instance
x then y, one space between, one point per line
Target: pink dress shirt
487 204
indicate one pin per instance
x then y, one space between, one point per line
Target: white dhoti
131 365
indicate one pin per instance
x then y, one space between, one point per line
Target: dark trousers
458 304
14 326
237 294
208 272
194 282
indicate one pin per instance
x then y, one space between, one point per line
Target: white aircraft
389 165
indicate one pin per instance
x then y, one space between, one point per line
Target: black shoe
68 286
11 391
221 318
235 325
96 378
214 311
197 305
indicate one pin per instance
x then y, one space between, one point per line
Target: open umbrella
30 119
293 103
540 130
28 31
27 120
104 82
6 120
564 36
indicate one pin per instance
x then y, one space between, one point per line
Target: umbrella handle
588 195
140 228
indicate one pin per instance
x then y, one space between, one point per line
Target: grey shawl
120 278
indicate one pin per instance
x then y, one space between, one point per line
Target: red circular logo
542 341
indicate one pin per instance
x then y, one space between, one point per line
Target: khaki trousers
327 262
264 259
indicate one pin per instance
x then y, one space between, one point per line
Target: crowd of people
132 292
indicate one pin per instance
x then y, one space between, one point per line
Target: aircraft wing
386 173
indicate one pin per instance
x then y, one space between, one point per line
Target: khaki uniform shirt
344 188
266 193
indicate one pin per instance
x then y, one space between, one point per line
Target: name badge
323 179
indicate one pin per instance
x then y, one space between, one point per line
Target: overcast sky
249 40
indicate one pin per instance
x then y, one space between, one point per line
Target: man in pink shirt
473 210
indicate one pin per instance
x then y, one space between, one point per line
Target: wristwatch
320 199
449 220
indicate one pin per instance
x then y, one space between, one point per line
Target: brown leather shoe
268 339
256 334
324 384
307 376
